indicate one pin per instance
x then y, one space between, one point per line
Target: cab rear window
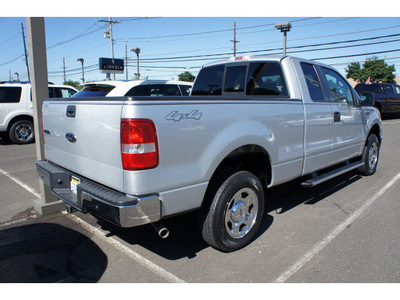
266 78
209 81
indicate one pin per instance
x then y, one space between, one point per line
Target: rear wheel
235 210
21 132
370 156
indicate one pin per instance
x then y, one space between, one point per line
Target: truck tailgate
83 137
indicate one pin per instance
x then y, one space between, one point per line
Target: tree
376 69
75 84
186 76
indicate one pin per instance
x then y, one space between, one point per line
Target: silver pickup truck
250 123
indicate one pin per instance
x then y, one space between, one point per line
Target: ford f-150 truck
250 123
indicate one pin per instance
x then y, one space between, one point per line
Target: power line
84 33
211 32
354 55
175 58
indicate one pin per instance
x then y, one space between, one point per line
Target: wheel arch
375 129
252 158
19 118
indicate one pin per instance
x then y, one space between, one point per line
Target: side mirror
367 99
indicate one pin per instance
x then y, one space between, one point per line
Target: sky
171 43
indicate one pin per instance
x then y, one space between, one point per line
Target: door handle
336 116
71 111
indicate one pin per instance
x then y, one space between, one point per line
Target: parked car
16 109
385 96
135 88
251 123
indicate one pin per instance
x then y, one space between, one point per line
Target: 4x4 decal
176 116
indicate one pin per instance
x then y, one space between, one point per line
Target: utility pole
26 53
110 34
65 77
234 39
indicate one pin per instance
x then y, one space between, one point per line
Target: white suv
135 88
16 109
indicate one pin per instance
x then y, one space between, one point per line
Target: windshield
94 90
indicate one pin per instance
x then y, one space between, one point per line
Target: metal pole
83 72
40 90
284 42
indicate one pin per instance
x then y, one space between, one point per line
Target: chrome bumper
99 200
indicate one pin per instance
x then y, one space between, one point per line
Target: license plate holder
74 184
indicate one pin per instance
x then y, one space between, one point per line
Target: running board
332 174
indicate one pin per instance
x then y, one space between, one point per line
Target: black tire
22 132
233 211
370 156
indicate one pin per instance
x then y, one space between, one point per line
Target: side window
397 88
64 92
10 94
388 90
313 83
340 89
52 93
209 81
185 89
235 79
266 79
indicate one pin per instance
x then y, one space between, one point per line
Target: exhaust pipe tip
163 233
161 230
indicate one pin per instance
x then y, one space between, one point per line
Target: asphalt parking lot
342 231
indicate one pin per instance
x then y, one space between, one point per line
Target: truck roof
261 58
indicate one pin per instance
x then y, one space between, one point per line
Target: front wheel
370 156
232 219
21 132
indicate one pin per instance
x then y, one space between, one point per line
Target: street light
137 51
284 27
16 73
83 70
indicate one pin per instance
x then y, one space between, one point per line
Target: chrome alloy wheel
241 213
24 132
373 155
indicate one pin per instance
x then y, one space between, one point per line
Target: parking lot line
22 184
333 234
132 254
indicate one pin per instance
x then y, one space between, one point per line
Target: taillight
139 147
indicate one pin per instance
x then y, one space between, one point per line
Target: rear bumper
99 200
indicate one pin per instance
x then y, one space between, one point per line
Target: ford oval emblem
71 137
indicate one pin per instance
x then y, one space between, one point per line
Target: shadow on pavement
287 196
46 253
185 239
